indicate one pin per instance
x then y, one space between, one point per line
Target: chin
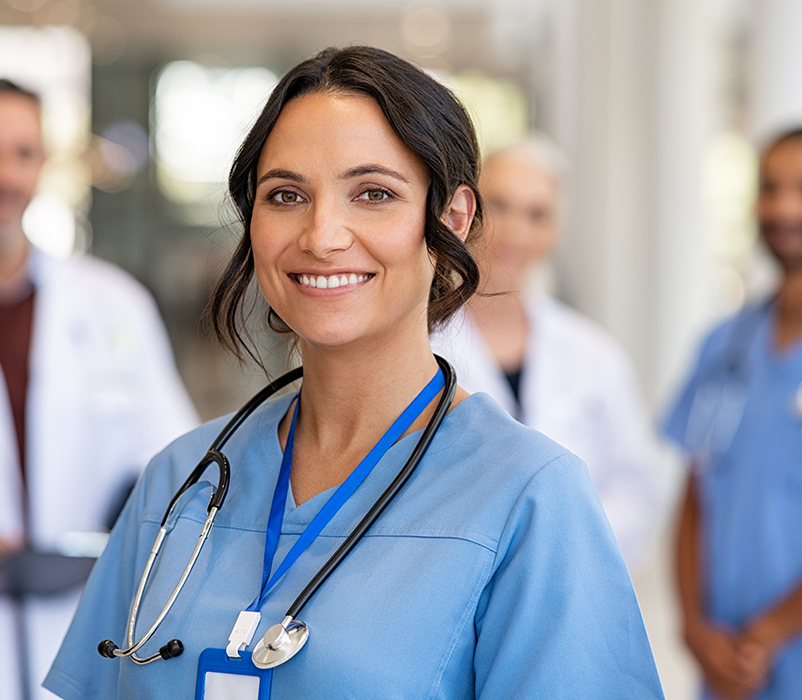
321 338
785 244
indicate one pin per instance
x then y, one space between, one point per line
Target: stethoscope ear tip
107 648
172 649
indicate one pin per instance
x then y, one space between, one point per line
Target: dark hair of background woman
426 117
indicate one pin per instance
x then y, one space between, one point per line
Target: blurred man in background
546 364
739 418
88 393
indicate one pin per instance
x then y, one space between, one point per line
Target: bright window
200 117
56 63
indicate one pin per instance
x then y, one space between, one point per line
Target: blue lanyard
338 498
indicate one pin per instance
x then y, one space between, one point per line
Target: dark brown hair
426 117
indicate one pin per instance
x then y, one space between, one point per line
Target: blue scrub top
494 574
751 495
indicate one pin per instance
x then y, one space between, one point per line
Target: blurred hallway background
659 106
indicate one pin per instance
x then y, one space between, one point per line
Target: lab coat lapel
11 527
536 374
549 388
53 418
483 372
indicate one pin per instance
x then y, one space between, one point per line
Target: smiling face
338 223
21 158
521 216
779 203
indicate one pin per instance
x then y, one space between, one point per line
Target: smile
332 282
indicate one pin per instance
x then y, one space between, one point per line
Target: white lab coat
103 397
578 388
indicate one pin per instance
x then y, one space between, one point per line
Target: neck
349 390
13 256
789 309
496 280
349 398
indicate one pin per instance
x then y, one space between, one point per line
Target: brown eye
286 197
374 195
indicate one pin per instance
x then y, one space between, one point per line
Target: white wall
775 67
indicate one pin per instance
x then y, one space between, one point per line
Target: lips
332 281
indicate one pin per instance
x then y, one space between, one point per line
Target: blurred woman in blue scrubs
494 573
739 418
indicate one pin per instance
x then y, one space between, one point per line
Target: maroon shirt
16 321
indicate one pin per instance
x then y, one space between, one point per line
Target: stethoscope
282 641
718 405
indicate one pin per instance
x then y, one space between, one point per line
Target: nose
326 232
509 226
786 205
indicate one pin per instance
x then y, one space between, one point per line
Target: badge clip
243 632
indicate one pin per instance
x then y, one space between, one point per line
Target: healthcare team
739 563
493 572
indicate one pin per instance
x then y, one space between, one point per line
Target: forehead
19 117
786 156
516 176
335 129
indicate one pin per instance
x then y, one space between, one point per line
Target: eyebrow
359 170
371 169
281 175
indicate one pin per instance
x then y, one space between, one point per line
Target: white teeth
321 282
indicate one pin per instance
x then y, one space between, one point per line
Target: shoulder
95 273
571 334
727 341
561 318
483 465
733 329
243 448
722 346
487 429
98 281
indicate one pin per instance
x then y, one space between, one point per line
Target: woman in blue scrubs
739 549
494 573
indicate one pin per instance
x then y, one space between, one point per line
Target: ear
460 211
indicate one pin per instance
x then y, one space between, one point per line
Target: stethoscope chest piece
280 643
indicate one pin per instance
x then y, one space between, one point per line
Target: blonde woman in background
546 364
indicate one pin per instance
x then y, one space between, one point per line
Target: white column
775 80
633 101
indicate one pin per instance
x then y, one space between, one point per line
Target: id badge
222 678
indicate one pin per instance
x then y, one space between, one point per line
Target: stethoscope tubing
160 537
387 496
214 455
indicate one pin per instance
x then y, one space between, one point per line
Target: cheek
543 239
266 248
27 176
405 254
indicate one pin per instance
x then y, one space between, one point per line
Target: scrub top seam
468 612
67 683
487 543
